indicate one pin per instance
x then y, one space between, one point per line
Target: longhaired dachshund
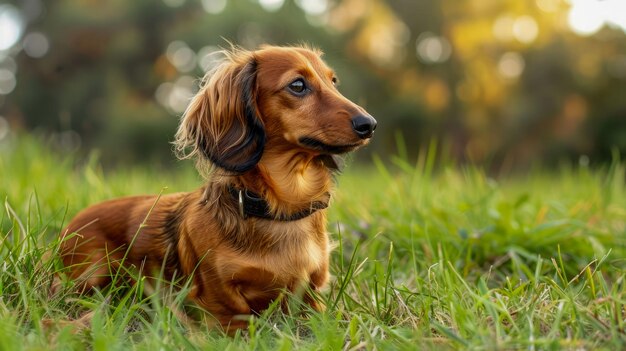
265 128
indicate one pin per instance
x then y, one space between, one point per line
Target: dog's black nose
364 126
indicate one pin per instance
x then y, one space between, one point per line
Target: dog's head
275 96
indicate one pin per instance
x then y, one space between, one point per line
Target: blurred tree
502 82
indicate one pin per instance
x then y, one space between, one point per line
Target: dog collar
251 204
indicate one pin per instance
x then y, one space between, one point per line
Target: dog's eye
335 81
298 87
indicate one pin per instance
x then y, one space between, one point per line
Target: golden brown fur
249 127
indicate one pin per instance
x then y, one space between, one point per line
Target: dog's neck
289 182
288 179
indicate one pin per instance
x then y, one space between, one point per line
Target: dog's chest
288 254
294 251
262 279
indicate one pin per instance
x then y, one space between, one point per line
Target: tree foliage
500 82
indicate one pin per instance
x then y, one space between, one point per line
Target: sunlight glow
587 17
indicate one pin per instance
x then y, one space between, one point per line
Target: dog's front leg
226 305
317 282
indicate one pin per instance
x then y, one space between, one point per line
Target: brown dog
265 126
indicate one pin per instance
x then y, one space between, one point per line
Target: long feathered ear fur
221 126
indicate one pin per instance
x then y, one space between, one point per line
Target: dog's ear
221 124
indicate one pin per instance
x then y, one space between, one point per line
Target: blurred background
507 84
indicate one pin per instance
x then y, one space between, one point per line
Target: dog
266 128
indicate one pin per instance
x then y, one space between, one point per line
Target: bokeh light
503 28
8 63
208 57
432 48
181 56
35 44
525 29
313 7
7 81
511 65
549 6
10 26
214 6
176 96
4 128
271 5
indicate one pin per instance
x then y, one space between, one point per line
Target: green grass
446 259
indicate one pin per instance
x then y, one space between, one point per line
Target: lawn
427 258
